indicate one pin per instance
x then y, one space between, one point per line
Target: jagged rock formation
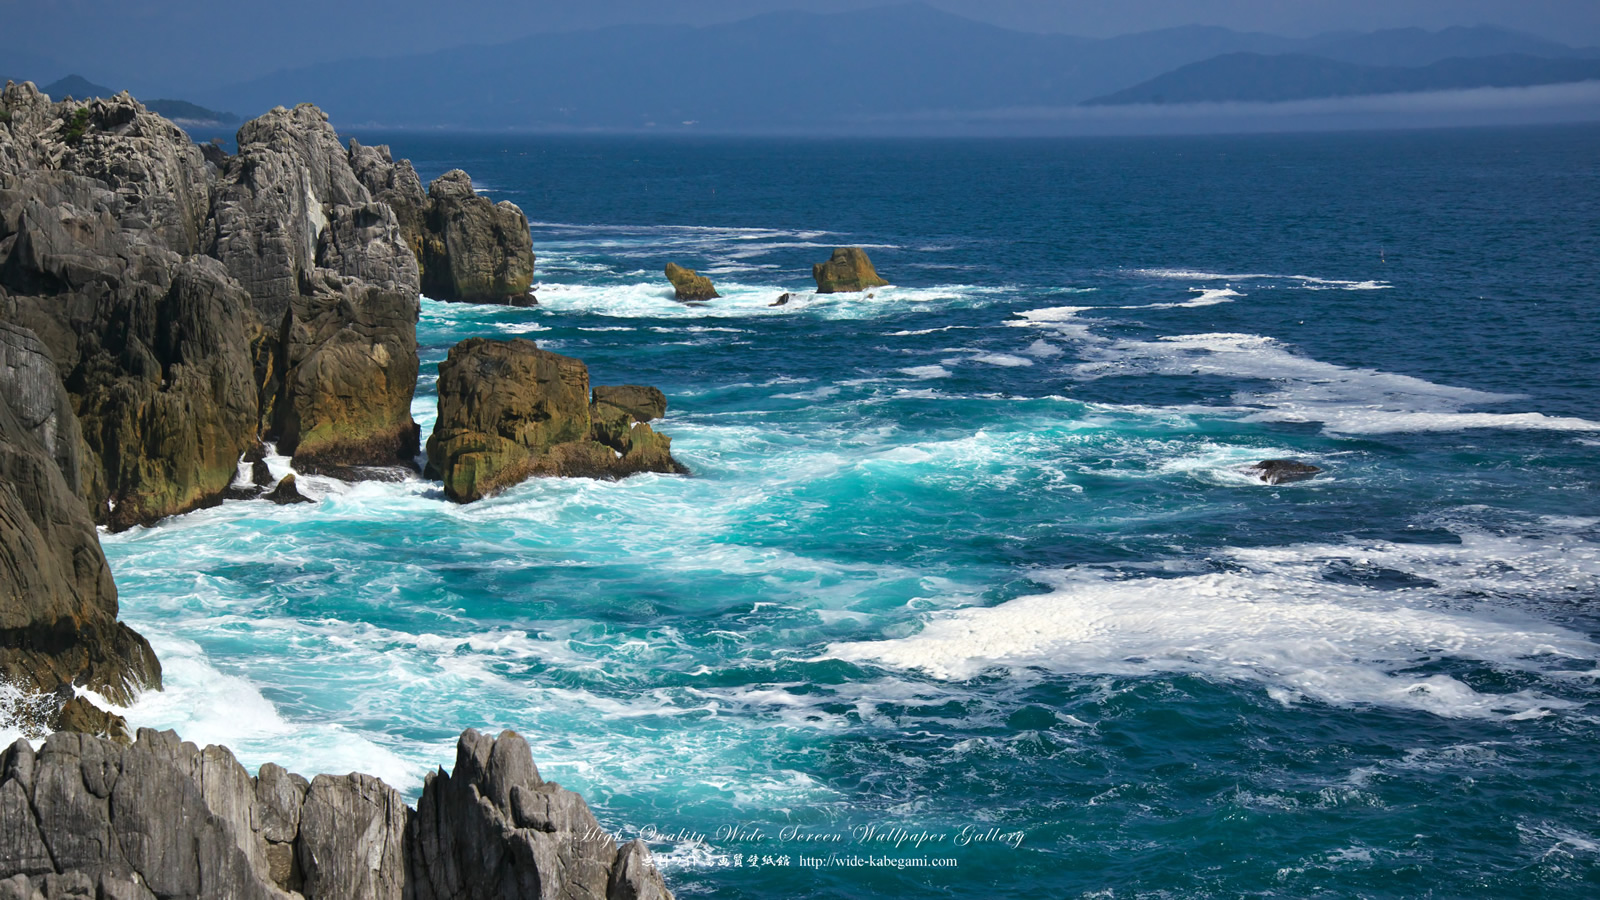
848 270
475 251
194 301
509 411
58 605
162 818
335 285
690 286
469 250
102 206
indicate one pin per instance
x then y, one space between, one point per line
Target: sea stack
474 251
847 271
509 411
689 285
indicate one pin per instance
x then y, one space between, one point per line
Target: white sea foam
207 706
1345 400
1207 297
1278 622
926 371
741 300
1004 360
1308 281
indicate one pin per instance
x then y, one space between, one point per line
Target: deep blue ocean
976 556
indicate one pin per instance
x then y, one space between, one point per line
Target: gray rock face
109 217
101 205
335 283
494 829
58 605
474 251
348 350
163 818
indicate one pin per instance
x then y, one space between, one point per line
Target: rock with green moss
349 355
689 285
509 411
848 270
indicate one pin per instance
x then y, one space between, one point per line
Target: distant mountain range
1260 78
181 111
793 71
868 71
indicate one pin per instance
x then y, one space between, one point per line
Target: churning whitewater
983 548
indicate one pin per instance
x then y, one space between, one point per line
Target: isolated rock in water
1278 471
473 250
783 300
509 411
58 605
286 492
87 817
688 285
848 270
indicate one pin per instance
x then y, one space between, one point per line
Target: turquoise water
974 556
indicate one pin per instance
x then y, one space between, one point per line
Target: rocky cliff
58 605
165 307
509 411
197 302
84 817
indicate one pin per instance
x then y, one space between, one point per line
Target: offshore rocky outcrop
58 604
84 817
689 286
848 270
509 411
469 250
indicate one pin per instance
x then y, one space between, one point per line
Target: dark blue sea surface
978 555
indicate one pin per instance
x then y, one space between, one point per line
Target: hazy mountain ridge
798 72
1262 78
81 88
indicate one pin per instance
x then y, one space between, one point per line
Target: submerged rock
689 285
88 817
848 270
509 411
1280 471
